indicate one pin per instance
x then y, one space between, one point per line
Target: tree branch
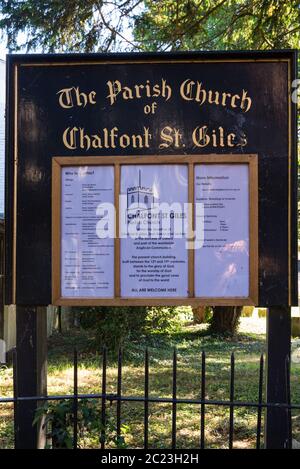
113 30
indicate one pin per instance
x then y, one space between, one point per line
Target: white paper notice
154 258
222 263
87 261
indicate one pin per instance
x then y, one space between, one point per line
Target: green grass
190 341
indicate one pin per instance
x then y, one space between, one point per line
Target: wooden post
1 280
31 372
278 349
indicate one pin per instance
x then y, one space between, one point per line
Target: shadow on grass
189 340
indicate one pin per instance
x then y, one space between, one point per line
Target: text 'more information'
222 263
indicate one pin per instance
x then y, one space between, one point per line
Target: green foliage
70 26
89 26
163 320
115 326
58 419
208 314
211 25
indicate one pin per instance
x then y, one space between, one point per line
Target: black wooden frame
16 60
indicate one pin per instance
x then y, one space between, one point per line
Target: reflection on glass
222 261
154 259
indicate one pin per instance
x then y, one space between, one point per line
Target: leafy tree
217 25
67 26
114 327
89 26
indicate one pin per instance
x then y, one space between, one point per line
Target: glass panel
87 231
153 222
222 230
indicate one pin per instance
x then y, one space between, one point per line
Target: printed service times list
222 261
86 260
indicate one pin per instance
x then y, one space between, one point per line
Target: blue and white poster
153 223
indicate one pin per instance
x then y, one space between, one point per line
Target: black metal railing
146 399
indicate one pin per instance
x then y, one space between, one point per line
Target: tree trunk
199 314
225 319
67 318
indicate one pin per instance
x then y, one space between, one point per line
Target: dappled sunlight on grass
190 341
